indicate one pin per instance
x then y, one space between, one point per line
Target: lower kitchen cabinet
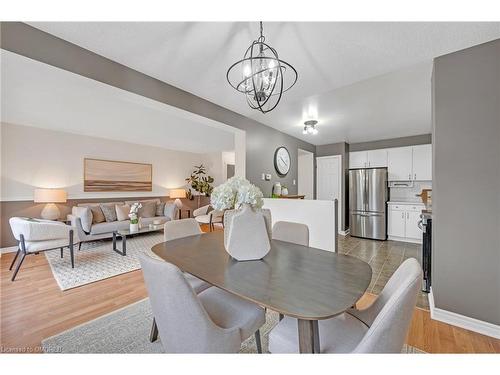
403 222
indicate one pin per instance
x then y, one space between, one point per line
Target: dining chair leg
281 317
62 254
71 253
79 246
153 335
14 260
258 342
23 255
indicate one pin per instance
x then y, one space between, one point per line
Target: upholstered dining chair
213 321
37 235
291 232
203 215
380 328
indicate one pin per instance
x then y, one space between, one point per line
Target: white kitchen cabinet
422 163
358 159
377 158
399 163
403 222
368 159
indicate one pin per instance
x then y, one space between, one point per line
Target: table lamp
178 193
50 196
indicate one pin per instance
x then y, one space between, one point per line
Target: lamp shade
177 193
50 196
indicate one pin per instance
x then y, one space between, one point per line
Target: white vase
134 227
247 233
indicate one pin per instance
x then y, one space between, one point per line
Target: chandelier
310 127
261 75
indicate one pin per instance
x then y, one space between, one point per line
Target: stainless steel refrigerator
368 196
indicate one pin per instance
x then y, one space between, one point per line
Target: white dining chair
380 328
204 215
291 232
213 321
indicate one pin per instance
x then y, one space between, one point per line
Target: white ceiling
41 95
336 62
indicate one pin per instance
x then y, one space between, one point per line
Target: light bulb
247 71
315 131
272 64
304 131
309 130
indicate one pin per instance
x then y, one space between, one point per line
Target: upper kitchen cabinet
399 163
422 163
368 159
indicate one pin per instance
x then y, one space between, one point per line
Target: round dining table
302 282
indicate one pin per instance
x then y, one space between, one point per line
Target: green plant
200 181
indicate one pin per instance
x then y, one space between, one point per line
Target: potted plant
134 217
247 227
200 182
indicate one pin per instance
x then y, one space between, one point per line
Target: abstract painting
107 175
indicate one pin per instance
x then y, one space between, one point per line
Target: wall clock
282 161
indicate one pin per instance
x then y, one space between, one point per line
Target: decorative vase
247 233
134 227
284 191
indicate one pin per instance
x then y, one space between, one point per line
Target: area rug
127 331
97 260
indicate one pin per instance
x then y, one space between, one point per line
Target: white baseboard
344 232
463 321
11 249
404 239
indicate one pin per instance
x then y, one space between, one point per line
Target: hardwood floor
33 308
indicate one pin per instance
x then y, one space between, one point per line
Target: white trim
11 249
344 232
404 239
462 321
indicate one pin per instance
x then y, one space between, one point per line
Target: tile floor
384 257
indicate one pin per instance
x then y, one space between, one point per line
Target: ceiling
40 95
362 81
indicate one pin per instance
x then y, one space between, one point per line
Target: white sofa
86 231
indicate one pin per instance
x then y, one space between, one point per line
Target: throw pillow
97 215
109 211
170 210
122 212
160 208
148 209
85 215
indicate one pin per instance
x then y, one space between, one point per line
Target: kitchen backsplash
409 194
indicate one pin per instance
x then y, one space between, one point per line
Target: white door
377 158
422 163
399 164
412 229
329 180
358 159
396 222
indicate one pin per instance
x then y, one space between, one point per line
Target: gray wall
342 149
422 139
261 140
466 182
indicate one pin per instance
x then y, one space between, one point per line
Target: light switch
293 182
263 176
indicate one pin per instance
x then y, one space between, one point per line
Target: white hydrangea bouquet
247 227
234 193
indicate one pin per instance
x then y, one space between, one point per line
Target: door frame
340 210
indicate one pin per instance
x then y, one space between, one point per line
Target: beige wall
33 157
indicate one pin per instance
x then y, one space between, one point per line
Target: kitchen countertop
405 202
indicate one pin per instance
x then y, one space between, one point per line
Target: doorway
329 181
305 174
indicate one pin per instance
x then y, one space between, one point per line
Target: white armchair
203 215
36 235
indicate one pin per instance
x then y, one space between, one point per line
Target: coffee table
124 233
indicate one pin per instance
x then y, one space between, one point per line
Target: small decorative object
50 196
261 75
247 227
276 193
200 182
177 194
156 222
282 161
134 217
284 190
